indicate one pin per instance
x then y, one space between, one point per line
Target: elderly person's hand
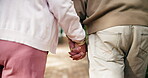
78 50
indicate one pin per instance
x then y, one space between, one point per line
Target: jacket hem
16 36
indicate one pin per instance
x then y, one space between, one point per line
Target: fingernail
79 48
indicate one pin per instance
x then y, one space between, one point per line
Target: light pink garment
36 22
21 61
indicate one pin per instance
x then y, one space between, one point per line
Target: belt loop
131 26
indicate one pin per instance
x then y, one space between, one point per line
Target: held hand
71 44
77 51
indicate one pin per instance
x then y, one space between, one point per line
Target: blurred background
60 65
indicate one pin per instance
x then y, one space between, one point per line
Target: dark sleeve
80 6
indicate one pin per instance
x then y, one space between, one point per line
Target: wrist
81 42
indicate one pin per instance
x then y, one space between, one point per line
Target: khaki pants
118 52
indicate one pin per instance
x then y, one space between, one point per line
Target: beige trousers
118 52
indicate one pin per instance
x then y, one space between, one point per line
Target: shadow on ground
60 65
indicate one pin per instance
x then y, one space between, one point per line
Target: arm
80 52
64 12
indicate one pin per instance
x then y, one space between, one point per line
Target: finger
72 53
82 55
71 44
79 56
76 50
76 59
76 56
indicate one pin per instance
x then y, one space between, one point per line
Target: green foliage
146 73
86 32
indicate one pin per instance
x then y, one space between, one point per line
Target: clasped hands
77 51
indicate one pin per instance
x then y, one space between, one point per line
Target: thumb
76 49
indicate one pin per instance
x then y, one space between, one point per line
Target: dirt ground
60 65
